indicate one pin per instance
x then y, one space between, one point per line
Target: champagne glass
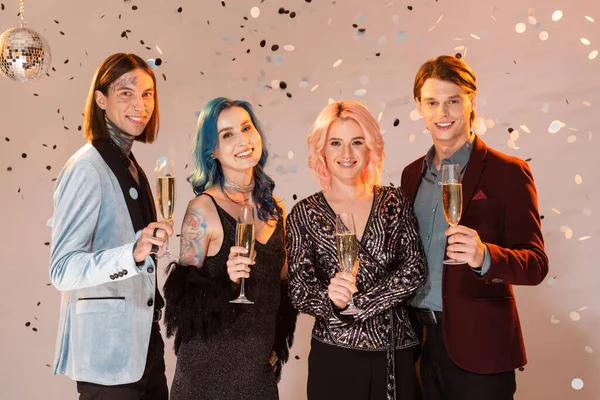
165 189
347 252
452 199
244 237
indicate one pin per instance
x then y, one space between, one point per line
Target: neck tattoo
122 139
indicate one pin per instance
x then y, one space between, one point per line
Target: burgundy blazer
481 325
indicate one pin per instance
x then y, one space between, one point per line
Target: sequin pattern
392 267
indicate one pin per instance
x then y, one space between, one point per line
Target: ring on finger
154 232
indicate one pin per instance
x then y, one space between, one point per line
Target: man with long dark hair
104 241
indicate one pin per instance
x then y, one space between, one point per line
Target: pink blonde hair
345 110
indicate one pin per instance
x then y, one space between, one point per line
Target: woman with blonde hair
367 355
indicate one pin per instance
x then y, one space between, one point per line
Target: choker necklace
234 187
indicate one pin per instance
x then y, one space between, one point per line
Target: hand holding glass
347 251
452 199
165 189
244 237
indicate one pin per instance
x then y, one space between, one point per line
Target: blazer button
150 270
120 274
112 277
124 272
497 280
150 303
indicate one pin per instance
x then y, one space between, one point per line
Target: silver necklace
234 187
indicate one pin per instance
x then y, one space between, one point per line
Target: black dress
222 348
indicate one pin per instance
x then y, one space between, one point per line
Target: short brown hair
111 69
446 68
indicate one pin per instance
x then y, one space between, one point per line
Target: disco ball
24 54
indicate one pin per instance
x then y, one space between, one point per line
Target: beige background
525 84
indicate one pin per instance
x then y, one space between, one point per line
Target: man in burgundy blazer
473 339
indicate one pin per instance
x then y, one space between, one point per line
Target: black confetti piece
186 165
410 8
7 139
295 197
39 302
458 55
567 100
541 217
180 9
510 130
36 95
242 39
223 3
377 54
44 145
47 365
281 10
396 122
392 184
354 26
124 34
54 147
293 14
298 357
275 47
9 169
46 243
27 324
529 159
362 30
164 76
62 33
48 167
24 155
248 51
142 42
282 85
66 61
34 329
134 8
79 128
56 22
2 6
263 43
157 62
521 369
66 127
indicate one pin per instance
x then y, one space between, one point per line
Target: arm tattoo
193 233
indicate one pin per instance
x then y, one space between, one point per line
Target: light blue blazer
105 323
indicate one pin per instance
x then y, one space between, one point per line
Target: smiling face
446 109
129 103
346 152
240 144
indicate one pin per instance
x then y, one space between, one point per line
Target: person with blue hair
225 350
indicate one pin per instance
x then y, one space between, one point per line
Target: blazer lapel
118 164
474 169
412 179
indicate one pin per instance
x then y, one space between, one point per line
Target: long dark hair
111 69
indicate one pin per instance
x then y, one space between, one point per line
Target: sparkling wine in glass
452 199
244 237
165 189
347 252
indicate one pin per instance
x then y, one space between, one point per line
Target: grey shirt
432 225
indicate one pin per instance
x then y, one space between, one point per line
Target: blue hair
208 172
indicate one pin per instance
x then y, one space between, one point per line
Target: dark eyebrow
229 128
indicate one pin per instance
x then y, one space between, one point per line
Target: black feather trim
284 329
197 304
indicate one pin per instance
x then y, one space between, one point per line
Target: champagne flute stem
242 287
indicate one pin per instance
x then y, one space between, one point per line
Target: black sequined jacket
392 267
